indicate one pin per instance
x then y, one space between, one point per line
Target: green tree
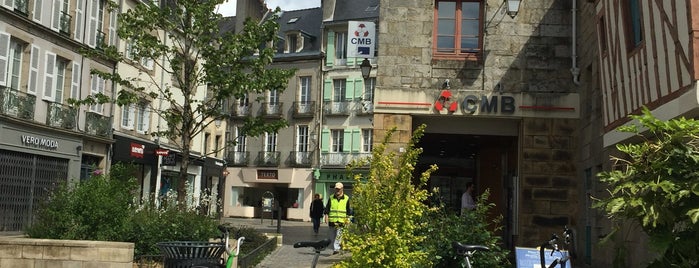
656 185
183 39
389 207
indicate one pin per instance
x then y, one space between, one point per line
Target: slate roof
306 21
356 9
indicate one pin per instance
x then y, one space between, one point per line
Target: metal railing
64 25
268 159
272 109
21 6
304 109
336 108
340 158
240 111
97 124
101 40
61 115
16 103
301 159
237 158
256 255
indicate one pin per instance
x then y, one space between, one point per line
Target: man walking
336 214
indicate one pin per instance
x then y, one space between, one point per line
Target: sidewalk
287 256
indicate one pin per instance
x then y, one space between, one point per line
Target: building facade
45 140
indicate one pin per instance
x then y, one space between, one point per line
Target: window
241 139
271 142
340 47
458 28
632 16
369 85
61 65
602 31
367 140
302 138
14 67
217 145
337 136
291 41
142 117
127 116
339 90
305 89
207 139
96 87
57 14
274 97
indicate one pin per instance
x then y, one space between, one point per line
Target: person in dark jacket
317 210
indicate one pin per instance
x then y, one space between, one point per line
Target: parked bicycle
561 258
232 252
317 246
467 251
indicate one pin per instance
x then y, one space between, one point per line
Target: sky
228 8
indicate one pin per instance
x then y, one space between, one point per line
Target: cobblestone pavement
287 256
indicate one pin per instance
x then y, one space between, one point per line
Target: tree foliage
182 39
656 185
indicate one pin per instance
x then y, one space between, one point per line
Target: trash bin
181 254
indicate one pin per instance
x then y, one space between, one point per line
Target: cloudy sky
228 8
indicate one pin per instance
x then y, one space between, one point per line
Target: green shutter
350 61
349 91
359 88
325 140
347 142
328 90
330 50
356 140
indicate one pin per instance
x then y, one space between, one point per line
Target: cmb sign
361 39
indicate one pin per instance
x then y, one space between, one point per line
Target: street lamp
513 7
366 68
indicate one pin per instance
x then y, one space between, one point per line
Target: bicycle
225 243
317 246
467 251
568 244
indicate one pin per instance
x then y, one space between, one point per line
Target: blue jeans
316 224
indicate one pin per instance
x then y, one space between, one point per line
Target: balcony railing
98 125
340 158
364 107
240 111
17 104
65 23
301 159
21 6
101 40
268 159
336 108
272 109
61 115
237 158
304 109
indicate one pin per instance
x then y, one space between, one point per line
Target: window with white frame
241 140
340 47
337 137
61 66
97 85
304 89
291 41
127 116
60 9
270 142
339 90
273 97
142 117
12 61
367 140
302 138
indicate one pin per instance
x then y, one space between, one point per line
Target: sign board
162 152
137 150
361 39
529 257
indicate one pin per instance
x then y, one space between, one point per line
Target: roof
355 9
303 20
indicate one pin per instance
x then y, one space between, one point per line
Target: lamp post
513 7
366 68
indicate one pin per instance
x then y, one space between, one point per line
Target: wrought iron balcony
238 110
304 109
340 159
301 159
16 103
237 158
268 159
98 125
61 115
64 26
21 6
272 109
336 108
101 40
364 107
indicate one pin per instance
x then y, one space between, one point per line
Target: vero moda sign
361 39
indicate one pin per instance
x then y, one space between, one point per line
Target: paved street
292 232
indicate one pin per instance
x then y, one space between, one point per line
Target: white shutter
4 52
8 3
79 20
33 82
50 73
93 90
100 88
37 10
146 118
132 115
112 28
56 15
75 81
92 30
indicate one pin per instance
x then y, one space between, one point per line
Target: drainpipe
574 70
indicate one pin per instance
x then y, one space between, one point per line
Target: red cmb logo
445 101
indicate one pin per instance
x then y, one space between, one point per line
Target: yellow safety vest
338 209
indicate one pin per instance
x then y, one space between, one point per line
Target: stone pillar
404 130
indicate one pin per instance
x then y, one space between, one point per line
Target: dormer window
292 43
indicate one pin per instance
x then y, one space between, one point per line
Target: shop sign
137 150
169 160
162 152
267 175
39 142
474 103
361 39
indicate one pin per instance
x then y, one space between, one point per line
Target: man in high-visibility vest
336 213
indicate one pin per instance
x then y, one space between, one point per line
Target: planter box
29 252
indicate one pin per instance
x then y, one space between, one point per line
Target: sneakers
335 252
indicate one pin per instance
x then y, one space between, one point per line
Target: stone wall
27 252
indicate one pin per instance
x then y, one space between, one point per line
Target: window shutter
56 15
330 49
350 61
92 30
356 140
325 140
347 140
112 28
328 90
100 89
37 10
145 122
33 70
349 90
8 4
94 90
132 115
4 52
49 76
79 20
75 81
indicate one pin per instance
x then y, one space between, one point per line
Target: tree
656 185
182 38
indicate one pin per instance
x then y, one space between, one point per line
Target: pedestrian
467 202
316 213
336 213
